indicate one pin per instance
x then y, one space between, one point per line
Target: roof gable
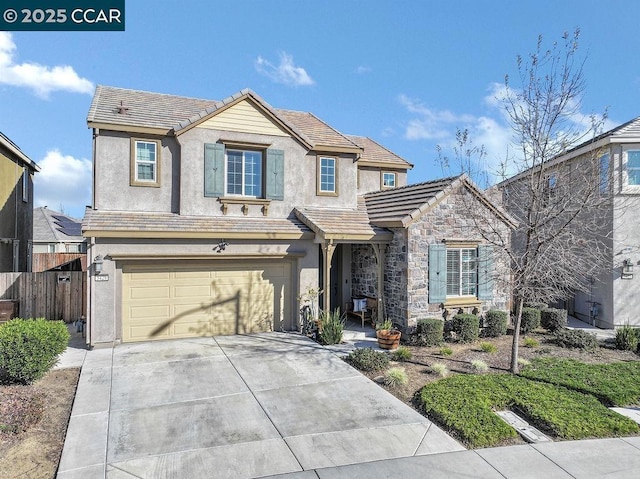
244 117
400 207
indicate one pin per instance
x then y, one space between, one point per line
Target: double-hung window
244 173
327 176
145 164
462 272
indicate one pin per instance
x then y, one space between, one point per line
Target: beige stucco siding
370 178
113 189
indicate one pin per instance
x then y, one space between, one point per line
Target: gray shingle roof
52 227
397 206
121 108
161 224
16 153
341 224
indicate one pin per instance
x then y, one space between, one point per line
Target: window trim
263 155
319 190
395 179
604 175
25 184
134 181
460 249
626 187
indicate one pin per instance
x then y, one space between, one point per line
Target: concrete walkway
279 405
233 407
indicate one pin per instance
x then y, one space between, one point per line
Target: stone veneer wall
406 275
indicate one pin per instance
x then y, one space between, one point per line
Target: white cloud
63 181
41 79
430 124
286 72
363 69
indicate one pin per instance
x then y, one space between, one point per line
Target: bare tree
563 237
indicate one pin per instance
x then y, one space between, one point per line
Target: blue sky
405 73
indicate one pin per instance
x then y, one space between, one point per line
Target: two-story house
610 297
16 207
215 217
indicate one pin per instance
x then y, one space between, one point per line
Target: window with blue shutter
437 273
274 180
213 169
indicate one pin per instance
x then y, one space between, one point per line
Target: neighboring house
216 217
16 206
57 241
612 298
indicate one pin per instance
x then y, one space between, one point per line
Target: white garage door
179 301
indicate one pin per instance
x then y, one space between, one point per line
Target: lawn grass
465 404
614 384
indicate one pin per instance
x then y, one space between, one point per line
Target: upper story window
462 272
327 176
244 173
633 167
604 174
388 179
145 164
25 184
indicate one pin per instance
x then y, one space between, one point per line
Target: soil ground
38 415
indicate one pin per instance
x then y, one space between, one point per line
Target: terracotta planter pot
388 339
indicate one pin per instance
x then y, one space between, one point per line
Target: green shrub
445 351
429 332
530 343
553 319
489 348
627 338
575 339
466 327
331 327
496 323
530 320
367 359
395 377
30 347
403 353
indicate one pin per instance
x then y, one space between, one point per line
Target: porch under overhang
345 226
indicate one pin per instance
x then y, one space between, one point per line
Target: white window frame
461 274
393 175
243 185
626 187
322 190
604 172
135 180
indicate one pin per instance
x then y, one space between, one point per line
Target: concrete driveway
233 407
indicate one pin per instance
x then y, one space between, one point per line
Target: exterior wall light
627 269
97 264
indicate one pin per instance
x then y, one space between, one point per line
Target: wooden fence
51 295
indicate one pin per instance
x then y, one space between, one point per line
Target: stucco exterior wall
112 170
370 178
626 292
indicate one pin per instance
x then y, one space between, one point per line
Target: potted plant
388 336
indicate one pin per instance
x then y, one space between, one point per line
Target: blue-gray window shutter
437 273
485 272
213 169
275 175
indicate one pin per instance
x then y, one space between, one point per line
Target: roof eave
386 164
164 234
129 128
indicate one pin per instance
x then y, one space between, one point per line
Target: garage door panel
177 301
